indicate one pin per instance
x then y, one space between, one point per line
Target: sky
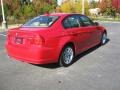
59 2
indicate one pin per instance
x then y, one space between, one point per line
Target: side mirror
96 23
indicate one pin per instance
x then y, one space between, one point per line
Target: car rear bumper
34 55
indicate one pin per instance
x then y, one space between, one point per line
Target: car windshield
41 21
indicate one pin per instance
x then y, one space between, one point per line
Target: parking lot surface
96 69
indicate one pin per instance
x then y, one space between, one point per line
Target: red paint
44 45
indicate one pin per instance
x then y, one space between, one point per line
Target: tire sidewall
61 59
102 38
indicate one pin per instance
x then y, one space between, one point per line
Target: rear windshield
41 21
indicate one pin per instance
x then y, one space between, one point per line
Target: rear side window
41 21
71 22
86 21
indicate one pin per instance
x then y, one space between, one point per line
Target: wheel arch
65 45
71 44
105 31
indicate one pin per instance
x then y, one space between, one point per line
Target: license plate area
18 40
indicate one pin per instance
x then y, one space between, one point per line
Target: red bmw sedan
54 38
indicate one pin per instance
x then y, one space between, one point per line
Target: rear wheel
67 56
104 38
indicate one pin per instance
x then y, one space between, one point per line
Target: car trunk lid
25 37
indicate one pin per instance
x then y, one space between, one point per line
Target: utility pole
83 6
4 24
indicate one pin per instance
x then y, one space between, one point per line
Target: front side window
41 21
86 21
71 22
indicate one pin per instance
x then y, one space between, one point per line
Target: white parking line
3 35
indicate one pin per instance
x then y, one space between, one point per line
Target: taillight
37 40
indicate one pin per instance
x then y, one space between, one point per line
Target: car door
80 37
92 29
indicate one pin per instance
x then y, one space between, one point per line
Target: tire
104 38
66 57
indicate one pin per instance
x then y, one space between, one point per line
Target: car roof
61 14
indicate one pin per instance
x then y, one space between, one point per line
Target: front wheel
104 38
66 57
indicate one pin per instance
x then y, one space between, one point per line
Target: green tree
23 9
67 7
12 5
28 11
42 6
38 4
74 6
93 4
107 8
87 7
78 6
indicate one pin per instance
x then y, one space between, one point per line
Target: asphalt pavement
96 69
